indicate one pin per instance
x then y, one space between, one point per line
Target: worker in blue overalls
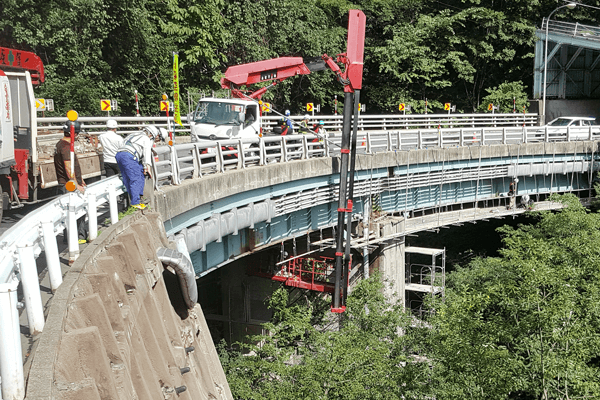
135 159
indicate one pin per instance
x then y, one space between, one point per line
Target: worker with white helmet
111 142
135 158
304 124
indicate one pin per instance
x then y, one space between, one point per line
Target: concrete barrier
117 327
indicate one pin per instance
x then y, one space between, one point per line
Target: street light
569 6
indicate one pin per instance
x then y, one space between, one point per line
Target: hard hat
111 124
164 135
321 122
152 131
306 116
67 127
287 113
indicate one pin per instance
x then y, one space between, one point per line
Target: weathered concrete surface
114 331
174 200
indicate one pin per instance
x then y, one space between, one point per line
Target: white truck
224 119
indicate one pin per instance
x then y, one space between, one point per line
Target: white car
578 128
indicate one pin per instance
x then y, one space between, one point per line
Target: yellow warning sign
446 106
105 105
40 104
309 107
401 107
490 107
266 107
164 106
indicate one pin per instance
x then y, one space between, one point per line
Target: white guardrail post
11 356
92 216
52 254
31 289
112 201
20 244
72 234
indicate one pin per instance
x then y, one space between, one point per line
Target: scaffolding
424 278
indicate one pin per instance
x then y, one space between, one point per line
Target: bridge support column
391 259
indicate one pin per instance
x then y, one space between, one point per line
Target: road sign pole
137 105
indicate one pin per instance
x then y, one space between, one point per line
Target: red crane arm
276 69
279 69
23 60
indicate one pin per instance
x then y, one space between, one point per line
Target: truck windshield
218 113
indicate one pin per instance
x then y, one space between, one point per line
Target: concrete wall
116 328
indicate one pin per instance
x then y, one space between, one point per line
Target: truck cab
225 119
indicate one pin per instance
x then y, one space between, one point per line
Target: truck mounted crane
216 119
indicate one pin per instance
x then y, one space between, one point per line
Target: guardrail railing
174 164
21 245
96 125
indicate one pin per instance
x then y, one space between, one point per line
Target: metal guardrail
174 164
573 29
20 246
96 125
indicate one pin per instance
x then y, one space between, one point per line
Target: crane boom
279 69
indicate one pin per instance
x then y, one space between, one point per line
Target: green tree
367 358
505 96
524 325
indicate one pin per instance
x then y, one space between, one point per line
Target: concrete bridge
236 210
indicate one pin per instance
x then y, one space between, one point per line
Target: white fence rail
332 122
193 160
20 246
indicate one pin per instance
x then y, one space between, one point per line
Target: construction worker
111 142
135 157
62 164
304 124
288 122
285 128
320 128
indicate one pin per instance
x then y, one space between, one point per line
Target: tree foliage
455 51
361 360
525 325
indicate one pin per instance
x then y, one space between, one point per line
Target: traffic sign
105 105
401 107
164 105
266 107
309 107
362 107
446 106
40 104
490 107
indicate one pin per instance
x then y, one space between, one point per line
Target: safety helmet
111 124
306 116
164 135
67 127
152 131
321 122
287 113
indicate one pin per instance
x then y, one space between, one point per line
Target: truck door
24 113
7 156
